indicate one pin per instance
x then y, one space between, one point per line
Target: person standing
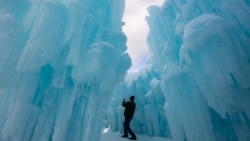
128 114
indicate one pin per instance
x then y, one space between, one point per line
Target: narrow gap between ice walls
150 117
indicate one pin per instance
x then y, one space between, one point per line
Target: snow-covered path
116 136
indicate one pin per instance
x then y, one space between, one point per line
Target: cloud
136 29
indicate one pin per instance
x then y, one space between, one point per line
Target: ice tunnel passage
57 83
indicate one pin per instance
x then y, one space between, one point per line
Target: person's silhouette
128 114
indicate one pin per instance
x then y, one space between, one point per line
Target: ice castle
63 70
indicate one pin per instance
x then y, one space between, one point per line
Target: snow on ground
116 136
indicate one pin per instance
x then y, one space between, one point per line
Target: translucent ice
197 87
59 62
62 66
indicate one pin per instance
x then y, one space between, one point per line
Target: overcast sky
136 30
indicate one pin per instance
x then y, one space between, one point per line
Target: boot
124 136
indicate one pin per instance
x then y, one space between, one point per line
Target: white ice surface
116 136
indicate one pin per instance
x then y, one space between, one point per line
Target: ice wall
201 62
202 51
59 62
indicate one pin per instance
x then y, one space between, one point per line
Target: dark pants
127 128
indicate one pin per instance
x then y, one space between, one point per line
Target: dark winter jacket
129 109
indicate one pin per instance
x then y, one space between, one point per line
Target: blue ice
63 70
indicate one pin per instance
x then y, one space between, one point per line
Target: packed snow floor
116 136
